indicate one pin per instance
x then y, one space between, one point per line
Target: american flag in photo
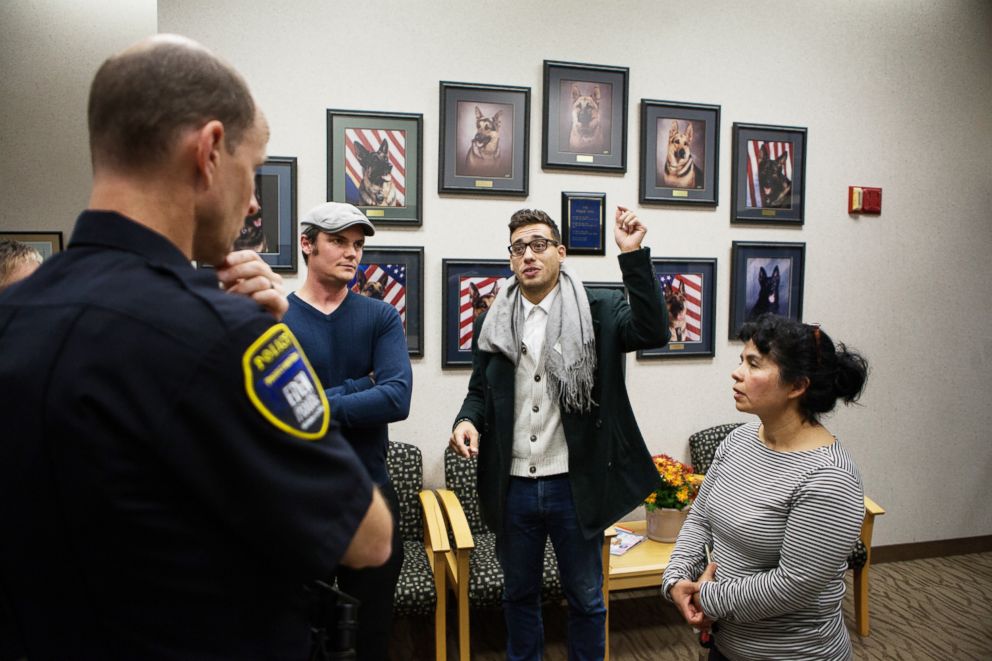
487 287
775 150
372 139
393 280
693 302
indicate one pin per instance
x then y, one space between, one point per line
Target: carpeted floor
937 609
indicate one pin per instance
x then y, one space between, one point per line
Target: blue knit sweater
362 336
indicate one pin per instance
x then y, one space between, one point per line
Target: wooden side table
640 567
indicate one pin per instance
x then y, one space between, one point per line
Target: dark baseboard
935 549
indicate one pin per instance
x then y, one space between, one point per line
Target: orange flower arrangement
676 487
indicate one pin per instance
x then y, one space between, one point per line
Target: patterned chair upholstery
702 448
473 551
420 589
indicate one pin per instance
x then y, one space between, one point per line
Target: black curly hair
804 351
534 217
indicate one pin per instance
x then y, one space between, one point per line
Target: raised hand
628 230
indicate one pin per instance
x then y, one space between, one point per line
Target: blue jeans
535 509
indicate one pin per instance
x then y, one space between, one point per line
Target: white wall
49 52
894 94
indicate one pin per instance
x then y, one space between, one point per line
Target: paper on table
624 540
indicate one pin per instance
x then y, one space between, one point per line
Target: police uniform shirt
166 484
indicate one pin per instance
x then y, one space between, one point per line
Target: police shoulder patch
283 386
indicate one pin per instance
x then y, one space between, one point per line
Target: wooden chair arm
455 518
873 508
435 532
696 479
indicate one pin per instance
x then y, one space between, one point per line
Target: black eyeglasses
537 246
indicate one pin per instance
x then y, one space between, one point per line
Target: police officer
169 476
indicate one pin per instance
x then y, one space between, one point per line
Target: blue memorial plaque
584 223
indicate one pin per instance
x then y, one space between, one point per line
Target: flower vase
664 523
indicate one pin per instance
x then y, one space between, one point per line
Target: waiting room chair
702 448
421 586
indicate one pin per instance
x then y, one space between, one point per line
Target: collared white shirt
536 322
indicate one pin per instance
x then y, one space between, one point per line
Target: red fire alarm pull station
863 199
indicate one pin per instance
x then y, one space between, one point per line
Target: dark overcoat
609 466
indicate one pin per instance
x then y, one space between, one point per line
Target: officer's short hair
12 255
142 98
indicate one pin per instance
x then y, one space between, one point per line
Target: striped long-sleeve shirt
781 525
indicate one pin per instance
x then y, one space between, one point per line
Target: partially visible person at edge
781 505
17 261
358 349
560 453
170 480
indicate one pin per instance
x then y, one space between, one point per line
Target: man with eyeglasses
560 453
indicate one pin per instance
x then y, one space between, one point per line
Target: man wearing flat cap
358 349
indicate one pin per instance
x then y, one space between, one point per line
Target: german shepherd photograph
371 288
776 187
680 169
675 301
376 188
767 299
481 302
479 292
586 130
253 235
486 155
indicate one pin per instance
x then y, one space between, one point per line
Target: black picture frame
768 181
375 162
688 285
585 117
471 165
583 223
680 153
47 243
271 232
395 274
748 260
460 306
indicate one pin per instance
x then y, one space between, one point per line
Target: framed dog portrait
768 184
583 223
271 231
765 277
585 117
485 131
468 288
396 275
46 243
688 285
680 153
374 161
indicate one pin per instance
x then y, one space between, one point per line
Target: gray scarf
569 356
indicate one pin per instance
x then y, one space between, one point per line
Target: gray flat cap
336 216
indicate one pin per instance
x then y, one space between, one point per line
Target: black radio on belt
333 621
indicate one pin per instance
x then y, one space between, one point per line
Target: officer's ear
209 143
